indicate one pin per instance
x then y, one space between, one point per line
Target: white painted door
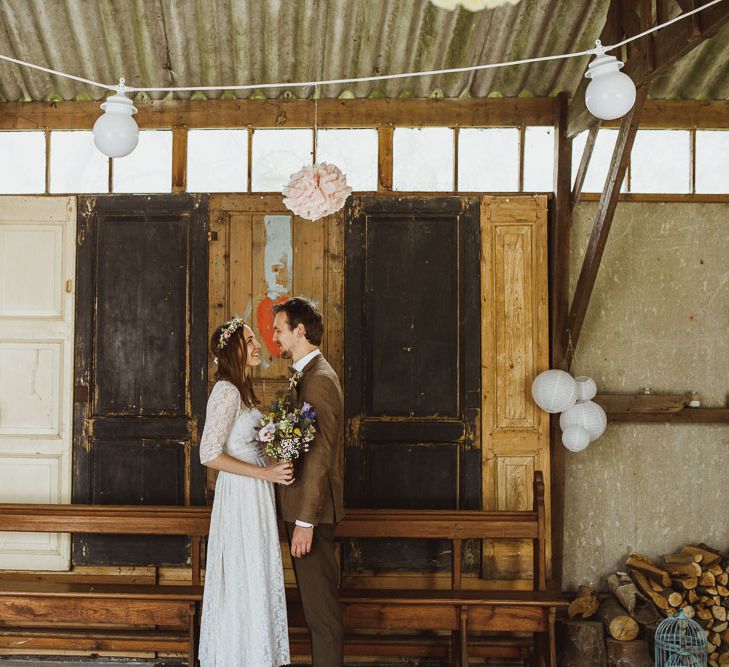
37 258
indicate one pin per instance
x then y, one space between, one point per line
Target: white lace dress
244 620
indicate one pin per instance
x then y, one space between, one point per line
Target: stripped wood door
515 348
260 254
37 256
141 349
412 356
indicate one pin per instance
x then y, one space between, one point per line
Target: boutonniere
294 380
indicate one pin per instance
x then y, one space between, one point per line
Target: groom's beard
286 354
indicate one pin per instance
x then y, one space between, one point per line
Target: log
644 565
708 555
644 587
707 579
690 583
632 600
688 610
682 558
581 643
618 623
675 599
624 589
585 603
684 570
628 654
722 579
719 612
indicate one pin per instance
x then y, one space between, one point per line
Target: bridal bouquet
287 429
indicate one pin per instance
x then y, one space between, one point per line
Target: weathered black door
412 358
141 329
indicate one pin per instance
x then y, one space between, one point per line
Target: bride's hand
279 473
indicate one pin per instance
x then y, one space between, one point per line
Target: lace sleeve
221 413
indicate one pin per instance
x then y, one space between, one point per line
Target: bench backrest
357 523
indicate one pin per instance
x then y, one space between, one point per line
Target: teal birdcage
680 642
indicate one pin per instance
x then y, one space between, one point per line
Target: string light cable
598 50
609 95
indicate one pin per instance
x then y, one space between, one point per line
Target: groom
313 504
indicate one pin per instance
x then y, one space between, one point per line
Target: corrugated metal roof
209 42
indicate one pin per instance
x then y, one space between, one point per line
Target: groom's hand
301 541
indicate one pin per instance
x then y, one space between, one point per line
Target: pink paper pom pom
316 191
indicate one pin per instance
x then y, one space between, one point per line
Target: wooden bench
78 614
458 610
85 608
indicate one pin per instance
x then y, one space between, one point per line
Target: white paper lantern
554 390
115 132
587 415
586 388
575 438
610 93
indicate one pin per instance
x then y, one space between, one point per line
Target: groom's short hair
302 311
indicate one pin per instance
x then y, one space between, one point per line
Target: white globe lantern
587 415
554 390
115 132
575 438
586 388
610 94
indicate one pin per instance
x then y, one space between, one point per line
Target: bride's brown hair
232 358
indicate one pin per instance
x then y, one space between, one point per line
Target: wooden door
515 344
141 351
412 364
37 255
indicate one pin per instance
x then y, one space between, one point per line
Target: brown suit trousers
317 576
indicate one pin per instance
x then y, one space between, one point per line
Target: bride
244 620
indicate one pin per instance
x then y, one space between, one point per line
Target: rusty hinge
212 236
81 393
69 286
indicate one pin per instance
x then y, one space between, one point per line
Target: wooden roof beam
603 222
660 50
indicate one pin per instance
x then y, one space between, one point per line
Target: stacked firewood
694 579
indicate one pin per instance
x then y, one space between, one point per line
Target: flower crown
235 324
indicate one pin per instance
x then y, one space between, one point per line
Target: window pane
602 154
488 159
22 162
423 159
277 154
76 164
148 168
712 161
217 160
661 161
538 159
354 152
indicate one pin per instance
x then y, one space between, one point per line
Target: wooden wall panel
515 434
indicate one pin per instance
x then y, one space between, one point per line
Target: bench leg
191 651
463 632
552 637
547 642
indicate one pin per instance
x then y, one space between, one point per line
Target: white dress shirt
299 366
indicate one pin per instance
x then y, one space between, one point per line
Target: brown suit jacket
317 494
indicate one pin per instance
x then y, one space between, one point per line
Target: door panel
37 257
141 362
412 358
515 335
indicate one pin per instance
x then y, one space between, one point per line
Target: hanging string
379 77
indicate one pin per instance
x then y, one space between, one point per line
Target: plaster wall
658 317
